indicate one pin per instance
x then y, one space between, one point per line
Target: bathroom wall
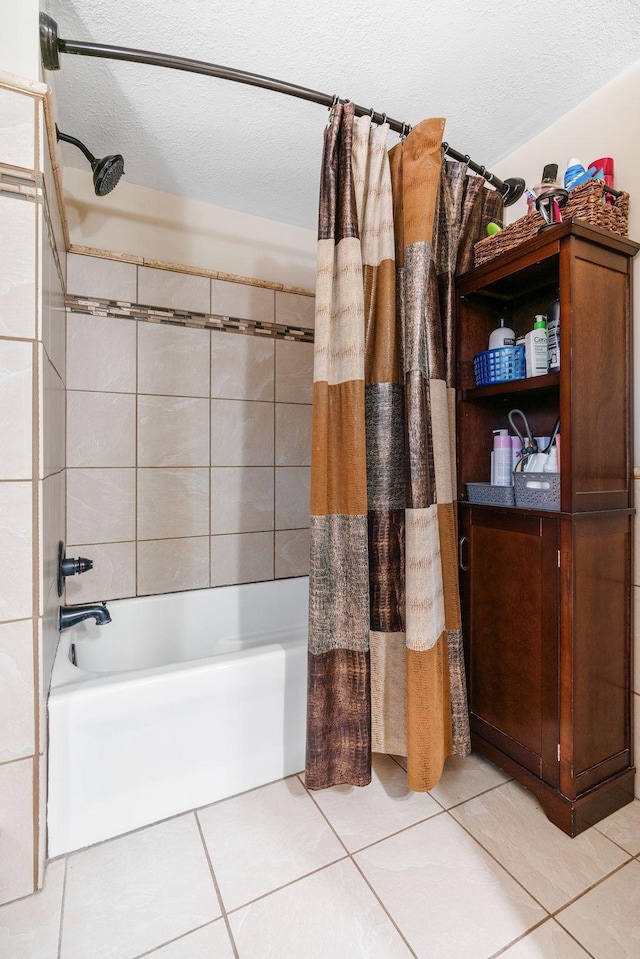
32 479
605 124
162 226
188 430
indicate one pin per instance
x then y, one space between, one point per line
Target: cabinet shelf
532 384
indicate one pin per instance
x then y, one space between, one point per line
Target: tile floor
471 871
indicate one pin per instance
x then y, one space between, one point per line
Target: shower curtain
386 670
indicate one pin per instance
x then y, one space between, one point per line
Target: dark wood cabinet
546 595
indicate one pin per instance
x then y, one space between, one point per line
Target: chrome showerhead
106 172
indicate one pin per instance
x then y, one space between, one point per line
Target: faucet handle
70 566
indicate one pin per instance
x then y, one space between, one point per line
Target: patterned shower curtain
386 670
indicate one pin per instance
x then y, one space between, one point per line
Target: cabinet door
511 623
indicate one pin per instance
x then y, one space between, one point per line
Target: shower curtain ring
384 119
336 99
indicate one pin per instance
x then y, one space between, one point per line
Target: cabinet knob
461 542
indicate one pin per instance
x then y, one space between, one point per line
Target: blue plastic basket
499 366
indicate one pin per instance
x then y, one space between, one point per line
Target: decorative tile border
20 184
135 311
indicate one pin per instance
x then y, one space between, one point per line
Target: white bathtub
182 700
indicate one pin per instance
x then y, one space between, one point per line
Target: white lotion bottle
536 347
501 336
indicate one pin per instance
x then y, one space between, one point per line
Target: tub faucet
71 615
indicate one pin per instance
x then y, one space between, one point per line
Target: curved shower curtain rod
52 45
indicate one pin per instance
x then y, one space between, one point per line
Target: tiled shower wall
188 448
32 371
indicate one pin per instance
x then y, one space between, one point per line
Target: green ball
493 228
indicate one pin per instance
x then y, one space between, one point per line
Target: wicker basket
585 203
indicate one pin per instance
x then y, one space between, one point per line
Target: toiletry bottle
548 182
516 451
573 173
553 336
501 336
502 472
606 165
551 465
536 347
493 450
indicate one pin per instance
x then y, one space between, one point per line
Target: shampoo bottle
501 336
536 347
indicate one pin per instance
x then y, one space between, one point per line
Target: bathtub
182 700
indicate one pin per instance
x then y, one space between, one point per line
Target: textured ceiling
498 71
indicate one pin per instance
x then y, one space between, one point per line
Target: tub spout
71 615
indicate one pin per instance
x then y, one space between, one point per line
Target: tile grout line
152 952
533 929
589 889
62 906
216 887
554 913
497 861
210 422
350 856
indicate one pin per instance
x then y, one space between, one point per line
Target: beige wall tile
54 313
53 528
101 353
18 259
242 367
294 372
244 558
242 433
16 392
242 499
107 279
101 429
16 550
292 553
173 431
294 309
292 497
49 647
41 829
17 733
16 816
170 290
293 435
17 127
113 575
242 302
166 566
50 192
173 361
32 925
100 505
173 503
52 417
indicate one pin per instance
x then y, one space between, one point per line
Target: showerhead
106 172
